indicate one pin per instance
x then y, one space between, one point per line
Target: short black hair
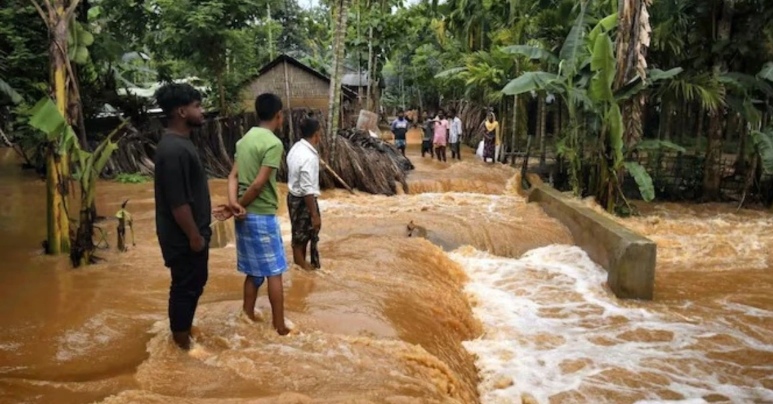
309 126
453 111
400 111
176 95
267 105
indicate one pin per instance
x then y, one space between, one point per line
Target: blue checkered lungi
259 248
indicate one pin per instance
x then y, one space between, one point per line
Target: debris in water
503 383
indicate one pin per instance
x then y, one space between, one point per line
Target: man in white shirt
303 187
455 136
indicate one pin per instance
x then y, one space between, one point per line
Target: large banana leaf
745 83
763 142
529 81
766 72
657 74
643 180
605 25
46 118
573 44
95 163
531 52
615 123
745 107
654 144
603 63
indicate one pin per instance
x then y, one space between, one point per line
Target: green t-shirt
259 148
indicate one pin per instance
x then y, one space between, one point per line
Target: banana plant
47 119
78 41
763 143
586 68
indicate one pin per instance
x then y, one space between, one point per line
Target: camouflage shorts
300 218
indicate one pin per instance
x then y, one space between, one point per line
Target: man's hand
316 223
198 243
238 211
222 212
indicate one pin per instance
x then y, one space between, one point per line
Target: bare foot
307 266
283 331
254 318
285 327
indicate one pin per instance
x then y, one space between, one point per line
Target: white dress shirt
456 131
303 170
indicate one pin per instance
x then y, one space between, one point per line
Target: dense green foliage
552 69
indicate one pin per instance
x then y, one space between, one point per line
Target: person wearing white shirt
303 186
455 136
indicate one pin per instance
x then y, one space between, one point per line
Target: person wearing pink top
440 139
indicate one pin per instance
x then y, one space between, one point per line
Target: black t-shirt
180 179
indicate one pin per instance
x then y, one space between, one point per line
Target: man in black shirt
183 206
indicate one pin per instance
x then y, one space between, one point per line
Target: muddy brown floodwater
493 306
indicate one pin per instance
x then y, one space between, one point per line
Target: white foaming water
554 333
96 333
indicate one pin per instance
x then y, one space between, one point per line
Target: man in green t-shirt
252 197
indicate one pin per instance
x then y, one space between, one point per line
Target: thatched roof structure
365 163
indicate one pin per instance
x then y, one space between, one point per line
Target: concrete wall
628 257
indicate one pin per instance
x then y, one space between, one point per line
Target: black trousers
189 275
455 151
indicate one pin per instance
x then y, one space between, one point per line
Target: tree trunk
740 161
515 127
712 169
221 92
542 116
288 96
369 92
58 164
701 116
712 172
334 102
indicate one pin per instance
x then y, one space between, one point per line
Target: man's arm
307 184
233 185
271 161
236 208
177 189
256 187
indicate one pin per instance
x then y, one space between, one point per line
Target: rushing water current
491 304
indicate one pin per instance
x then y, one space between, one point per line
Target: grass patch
134 178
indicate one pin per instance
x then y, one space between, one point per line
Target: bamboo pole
335 174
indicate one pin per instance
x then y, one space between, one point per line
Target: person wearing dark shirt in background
183 206
429 131
400 129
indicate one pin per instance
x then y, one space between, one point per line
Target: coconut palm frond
703 88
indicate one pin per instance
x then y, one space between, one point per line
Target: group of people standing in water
184 208
440 134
